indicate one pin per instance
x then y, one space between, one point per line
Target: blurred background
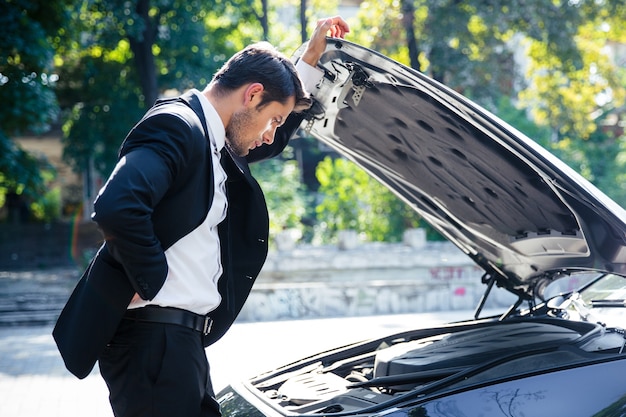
76 75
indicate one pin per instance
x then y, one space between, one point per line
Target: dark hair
262 63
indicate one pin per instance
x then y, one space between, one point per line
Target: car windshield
602 300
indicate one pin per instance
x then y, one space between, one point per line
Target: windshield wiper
608 303
449 376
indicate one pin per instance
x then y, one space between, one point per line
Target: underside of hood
518 211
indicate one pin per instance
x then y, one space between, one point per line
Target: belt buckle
206 327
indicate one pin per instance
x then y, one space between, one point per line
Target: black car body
521 214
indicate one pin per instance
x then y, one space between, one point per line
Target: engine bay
367 374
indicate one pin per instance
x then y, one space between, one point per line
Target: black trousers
158 370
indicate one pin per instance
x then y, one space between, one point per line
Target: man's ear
253 94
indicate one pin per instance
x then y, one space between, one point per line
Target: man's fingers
335 26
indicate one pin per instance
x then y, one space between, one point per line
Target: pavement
34 382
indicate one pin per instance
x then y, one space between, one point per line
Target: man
185 228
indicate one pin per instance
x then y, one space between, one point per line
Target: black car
530 222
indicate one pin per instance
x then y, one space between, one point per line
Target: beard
236 139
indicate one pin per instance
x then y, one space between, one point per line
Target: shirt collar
214 122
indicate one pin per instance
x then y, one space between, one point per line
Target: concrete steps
34 297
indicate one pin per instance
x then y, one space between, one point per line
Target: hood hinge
358 81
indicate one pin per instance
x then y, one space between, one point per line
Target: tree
26 83
121 57
566 98
464 43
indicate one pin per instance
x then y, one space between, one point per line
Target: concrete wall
366 279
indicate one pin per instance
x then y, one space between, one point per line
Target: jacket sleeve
154 153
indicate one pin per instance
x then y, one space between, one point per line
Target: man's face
251 127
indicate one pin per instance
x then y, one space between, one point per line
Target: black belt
171 315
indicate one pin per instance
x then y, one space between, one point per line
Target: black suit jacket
160 191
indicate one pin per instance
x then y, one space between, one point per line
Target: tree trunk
437 72
263 20
303 22
408 18
142 52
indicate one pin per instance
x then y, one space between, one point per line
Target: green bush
47 208
352 199
284 193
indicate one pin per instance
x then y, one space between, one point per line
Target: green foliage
605 157
615 186
284 193
118 60
109 106
47 207
518 118
470 45
25 64
107 76
112 56
567 100
351 199
20 172
26 89
601 159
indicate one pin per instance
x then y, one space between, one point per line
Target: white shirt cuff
310 76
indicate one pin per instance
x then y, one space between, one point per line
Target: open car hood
519 212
